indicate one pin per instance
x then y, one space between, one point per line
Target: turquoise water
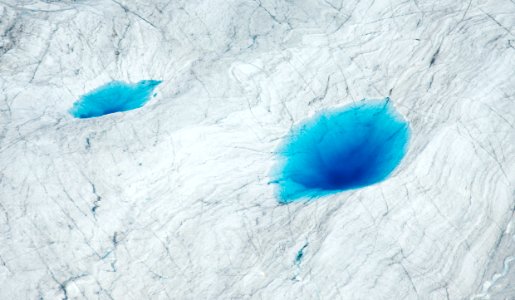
113 97
300 254
347 148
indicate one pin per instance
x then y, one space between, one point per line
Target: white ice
173 201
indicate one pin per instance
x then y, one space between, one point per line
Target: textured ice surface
176 202
342 149
113 97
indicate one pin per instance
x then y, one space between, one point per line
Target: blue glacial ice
115 96
341 149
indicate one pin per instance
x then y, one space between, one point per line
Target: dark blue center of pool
113 97
347 148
